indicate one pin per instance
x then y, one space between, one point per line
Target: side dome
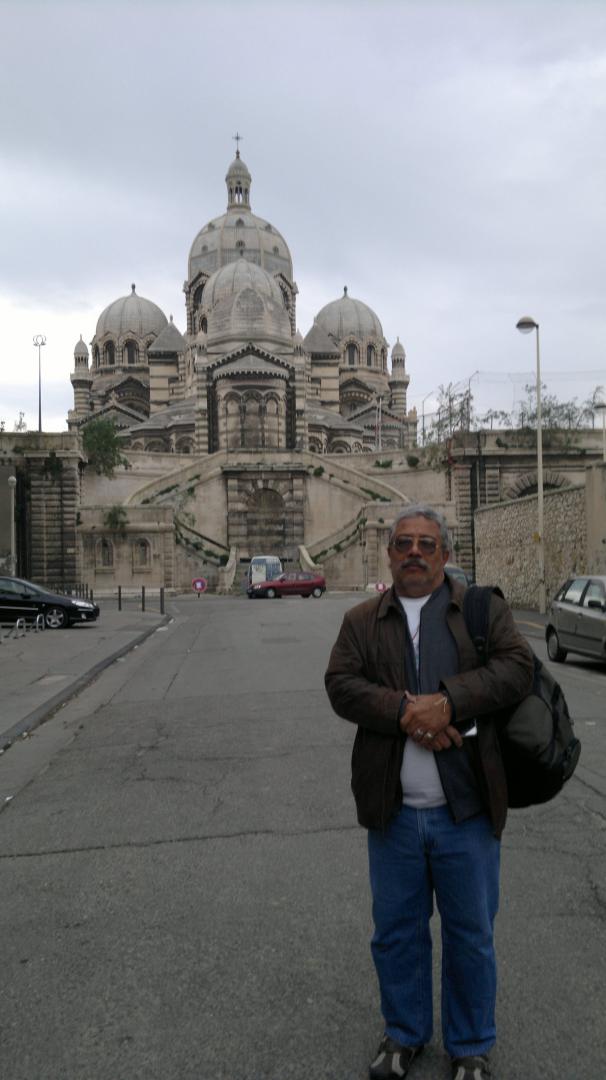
131 314
244 303
348 317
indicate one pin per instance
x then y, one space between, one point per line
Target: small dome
238 170
81 349
131 314
346 316
397 353
243 303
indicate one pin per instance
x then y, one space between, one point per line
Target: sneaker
471 1068
393 1060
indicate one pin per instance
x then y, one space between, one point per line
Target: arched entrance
266 522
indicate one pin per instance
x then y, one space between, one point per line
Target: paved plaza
184 886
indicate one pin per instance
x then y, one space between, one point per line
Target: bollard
119 598
91 596
143 598
162 599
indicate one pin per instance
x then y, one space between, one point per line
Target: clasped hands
427 720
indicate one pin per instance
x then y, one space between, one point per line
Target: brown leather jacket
366 680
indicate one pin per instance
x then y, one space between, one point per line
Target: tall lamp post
39 341
600 406
12 484
526 325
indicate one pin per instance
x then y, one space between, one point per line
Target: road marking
537 625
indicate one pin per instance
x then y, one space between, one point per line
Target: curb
42 712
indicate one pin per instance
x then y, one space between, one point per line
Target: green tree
102 448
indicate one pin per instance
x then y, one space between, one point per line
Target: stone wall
506 544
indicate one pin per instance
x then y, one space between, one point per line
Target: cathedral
242 376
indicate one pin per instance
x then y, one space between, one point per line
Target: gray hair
422 510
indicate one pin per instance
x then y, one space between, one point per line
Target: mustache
414 562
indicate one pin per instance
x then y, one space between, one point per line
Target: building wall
595 488
506 545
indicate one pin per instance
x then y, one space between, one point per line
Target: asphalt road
184 887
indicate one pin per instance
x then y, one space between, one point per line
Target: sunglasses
404 544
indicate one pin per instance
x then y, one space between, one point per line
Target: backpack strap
476 610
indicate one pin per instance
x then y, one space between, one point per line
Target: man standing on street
430 788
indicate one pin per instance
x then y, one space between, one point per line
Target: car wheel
317 592
555 651
56 618
270 593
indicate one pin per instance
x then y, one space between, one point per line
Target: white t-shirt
421 784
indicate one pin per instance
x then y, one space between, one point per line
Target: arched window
96 356
132 352
370 355
204 324
198 296
352 355
383 359
141 554
240 245
109 353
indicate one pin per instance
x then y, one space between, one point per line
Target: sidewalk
41 671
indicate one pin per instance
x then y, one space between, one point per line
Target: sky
445 161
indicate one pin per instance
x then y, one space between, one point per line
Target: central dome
244 303
239 233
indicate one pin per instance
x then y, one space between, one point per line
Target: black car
20 599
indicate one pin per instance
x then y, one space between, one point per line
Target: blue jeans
423 852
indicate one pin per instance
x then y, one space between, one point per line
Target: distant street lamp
423 414
526 325
39 341
600 406
12 483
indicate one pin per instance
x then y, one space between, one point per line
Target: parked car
576 620
21 599
457 573
293 583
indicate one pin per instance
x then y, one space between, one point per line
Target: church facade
241 376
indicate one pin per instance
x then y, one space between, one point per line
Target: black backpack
539 748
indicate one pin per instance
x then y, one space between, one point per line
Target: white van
263 568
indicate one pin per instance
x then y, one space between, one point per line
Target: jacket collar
390 599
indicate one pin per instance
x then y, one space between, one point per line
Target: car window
575 591
560 593
595 591
7 585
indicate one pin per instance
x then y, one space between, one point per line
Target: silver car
576 620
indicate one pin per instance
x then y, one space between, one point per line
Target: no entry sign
199 585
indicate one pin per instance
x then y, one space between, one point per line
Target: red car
294 583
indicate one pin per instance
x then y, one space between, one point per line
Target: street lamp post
601 407
526 325
12 483
423 414
39 341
